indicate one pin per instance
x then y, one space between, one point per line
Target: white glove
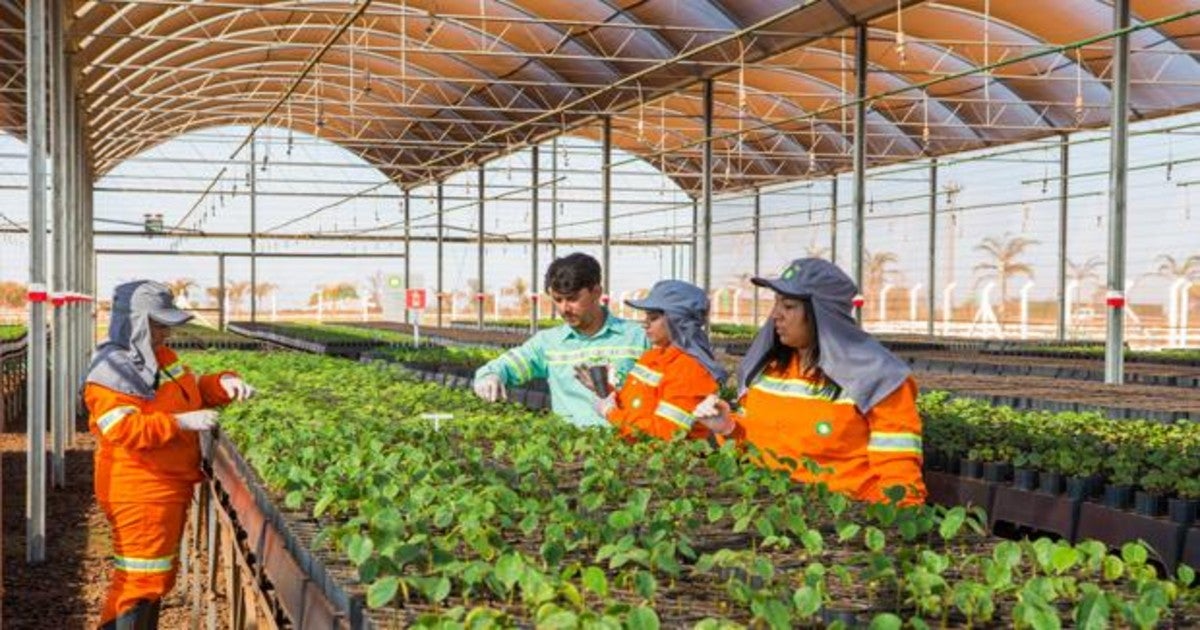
713 413
236 388
605 405
490 388
202 420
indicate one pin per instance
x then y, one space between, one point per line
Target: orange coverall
145 470
789 415
659 394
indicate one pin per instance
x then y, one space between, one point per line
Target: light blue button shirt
553 354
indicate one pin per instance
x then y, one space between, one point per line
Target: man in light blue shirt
591 336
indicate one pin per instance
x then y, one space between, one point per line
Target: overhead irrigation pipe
308 66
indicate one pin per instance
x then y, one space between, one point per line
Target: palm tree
214 294
877 269
816 251
181 287
263 290
1004 254
1081 273
1173 268
237 292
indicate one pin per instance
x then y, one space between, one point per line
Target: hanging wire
1078 86
1170 154
900 43
641 122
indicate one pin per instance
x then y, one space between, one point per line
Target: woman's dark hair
781 355
572 273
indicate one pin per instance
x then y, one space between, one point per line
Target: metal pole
533 242
606 203
860 158
706 183
833 218
221 292
1114 360
757 247
553 212
441 218
35 91
481 297
407 241
58 157
695 241
1064 164
253 231
931 277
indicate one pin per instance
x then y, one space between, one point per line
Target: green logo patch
824 428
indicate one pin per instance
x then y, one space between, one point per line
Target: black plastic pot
1080 488
1025 479
847 617
953 464
935 460
1183 511
971 468
997 472
1147 504
1050 482
1118 497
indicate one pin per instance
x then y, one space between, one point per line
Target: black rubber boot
143 616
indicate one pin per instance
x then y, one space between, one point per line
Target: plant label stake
437 419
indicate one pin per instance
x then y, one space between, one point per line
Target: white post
1184 298
913 293
1173 311
274 308
320 306
1025 309
737 295
883 291
947 306
1069 304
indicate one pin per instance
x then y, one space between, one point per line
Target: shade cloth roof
423 88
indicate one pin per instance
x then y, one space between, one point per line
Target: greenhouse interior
600 314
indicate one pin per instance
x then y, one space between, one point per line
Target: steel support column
833 218
695 273
757 249
706 184
441 219
407 242
860 158
221 319
931 275
534 244
553 212
253 230
1114 360
481 296
36 122
606 204
59 254
1064 189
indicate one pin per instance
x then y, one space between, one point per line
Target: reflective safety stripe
113 416
174 370
519 363
559 357
674 414
797 388
646 375
894 442
143 565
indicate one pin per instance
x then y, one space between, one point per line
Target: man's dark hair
572 273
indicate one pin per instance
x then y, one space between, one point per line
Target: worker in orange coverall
674 376
147 410
814 386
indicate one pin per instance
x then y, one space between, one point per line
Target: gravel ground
67 590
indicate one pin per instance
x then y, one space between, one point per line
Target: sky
1010 194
